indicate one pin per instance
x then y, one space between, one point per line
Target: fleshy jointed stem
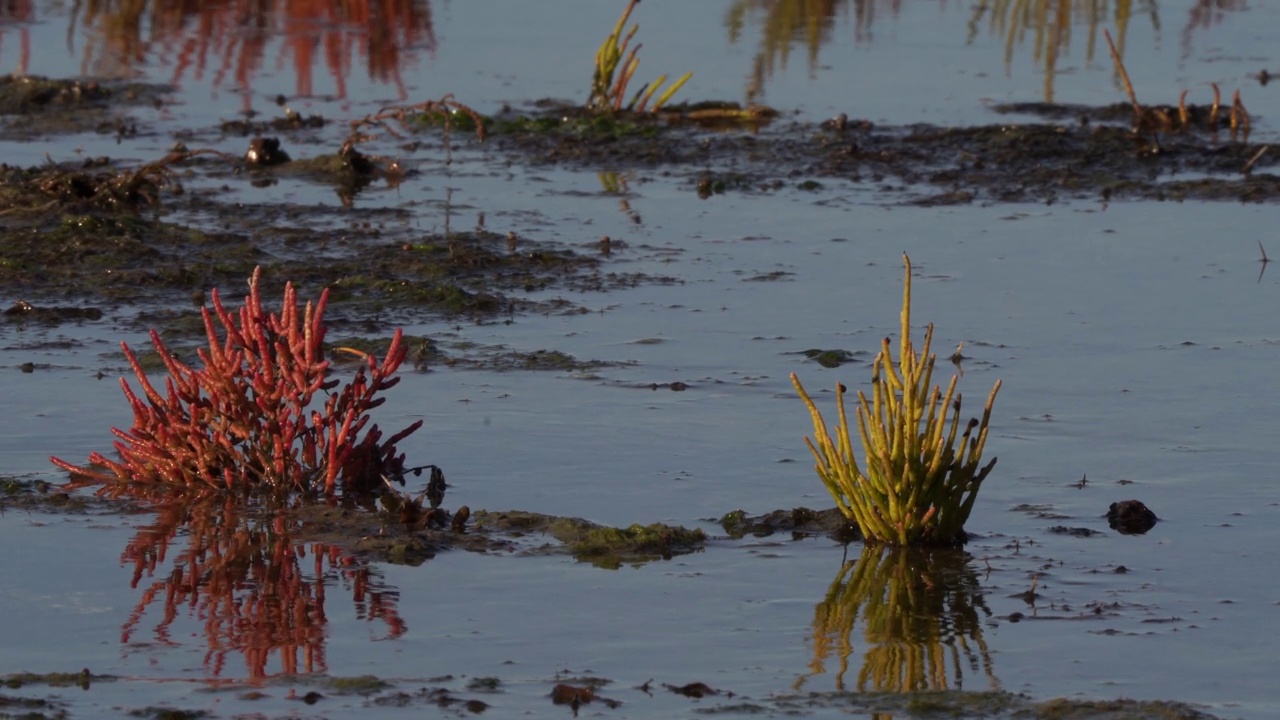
915 486
244 419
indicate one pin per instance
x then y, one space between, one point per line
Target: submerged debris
1130 517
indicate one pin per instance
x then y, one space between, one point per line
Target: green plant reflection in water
785 22
1048 25
240 575
921 612
1045 28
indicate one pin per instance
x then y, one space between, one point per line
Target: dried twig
1124 75
1248 167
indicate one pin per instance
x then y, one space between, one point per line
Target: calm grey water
1134 340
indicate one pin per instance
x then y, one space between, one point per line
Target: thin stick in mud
1124 75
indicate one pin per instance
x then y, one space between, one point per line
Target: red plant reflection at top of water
231 38
18 12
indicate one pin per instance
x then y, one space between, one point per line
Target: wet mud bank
106 243
464 696
107 239
1037 153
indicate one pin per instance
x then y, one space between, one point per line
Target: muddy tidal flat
609 509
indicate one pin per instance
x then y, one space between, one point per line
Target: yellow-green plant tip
671 91
622 21
905 338
615 66
645 94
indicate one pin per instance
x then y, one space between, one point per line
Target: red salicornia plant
246 420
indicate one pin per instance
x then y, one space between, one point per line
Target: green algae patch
16 492
39 107
540 360
611 547
30 94
571 124
358 685
829 358
512 522
448 118
580 125
600 545
799 521
82 679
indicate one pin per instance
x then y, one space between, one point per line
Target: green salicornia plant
259 411
916 486
615 67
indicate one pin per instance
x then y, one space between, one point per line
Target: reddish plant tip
244 420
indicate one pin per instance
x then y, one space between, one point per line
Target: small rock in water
1131 517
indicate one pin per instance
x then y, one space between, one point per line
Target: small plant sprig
244 421
917 489
615 68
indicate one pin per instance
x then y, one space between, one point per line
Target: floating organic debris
1130 517
574 697
693 690
1080 532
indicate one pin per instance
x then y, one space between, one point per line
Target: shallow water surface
1135 342
1126 355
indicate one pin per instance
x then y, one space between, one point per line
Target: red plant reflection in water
243 580
18 12
230 38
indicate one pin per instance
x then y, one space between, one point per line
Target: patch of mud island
81 240
99 240
465 696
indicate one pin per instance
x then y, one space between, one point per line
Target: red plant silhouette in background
245 421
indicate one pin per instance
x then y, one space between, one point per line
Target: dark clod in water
436 487
693 690
265 152
572 696
459 523
1130 517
